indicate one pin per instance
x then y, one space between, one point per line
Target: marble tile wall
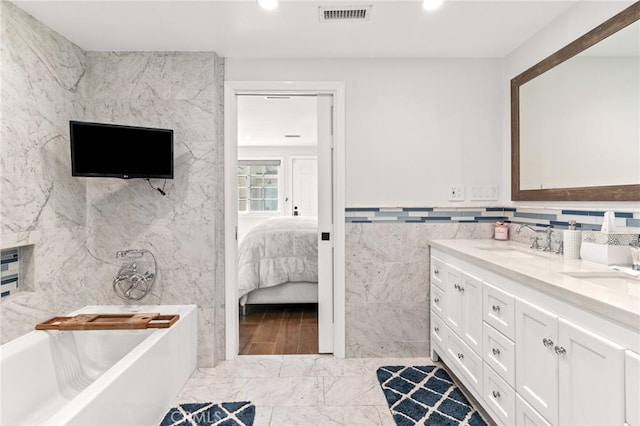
42 205
387 285
74 226
184 229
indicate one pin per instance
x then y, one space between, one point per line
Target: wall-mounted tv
126 152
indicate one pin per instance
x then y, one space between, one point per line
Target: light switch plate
456 192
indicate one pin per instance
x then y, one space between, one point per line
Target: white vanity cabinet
529 358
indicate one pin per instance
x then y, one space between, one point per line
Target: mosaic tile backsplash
587 220
10 267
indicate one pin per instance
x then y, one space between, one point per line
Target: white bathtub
120 377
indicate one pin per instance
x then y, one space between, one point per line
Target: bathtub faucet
129 283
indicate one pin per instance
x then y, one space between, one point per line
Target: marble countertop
589 287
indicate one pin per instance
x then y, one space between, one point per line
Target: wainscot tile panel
387 266
387 284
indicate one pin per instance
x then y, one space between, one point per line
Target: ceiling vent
344 13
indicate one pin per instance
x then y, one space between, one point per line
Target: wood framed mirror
575 118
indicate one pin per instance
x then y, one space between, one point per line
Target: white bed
278 262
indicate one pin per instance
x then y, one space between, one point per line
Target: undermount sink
614 280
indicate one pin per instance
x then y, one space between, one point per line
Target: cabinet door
471 321
453 310
632 388
591 374
536 360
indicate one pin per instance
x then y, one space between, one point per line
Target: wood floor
279 329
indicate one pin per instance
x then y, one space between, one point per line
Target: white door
536 360
325 223
471 323
304 186
591 374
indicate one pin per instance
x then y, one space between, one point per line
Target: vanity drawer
499 397
438 330
464 361
437 272
498 310
526 415
437 300
499 353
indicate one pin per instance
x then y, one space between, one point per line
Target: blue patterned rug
210 414
426 395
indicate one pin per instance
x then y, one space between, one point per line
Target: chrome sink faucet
534 245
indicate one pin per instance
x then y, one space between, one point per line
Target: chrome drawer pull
436 300
436 272
461 288
560 350
456 286
495 308
547 342
460 356
496 351
436 329
496 394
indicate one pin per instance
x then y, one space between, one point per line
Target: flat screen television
126 152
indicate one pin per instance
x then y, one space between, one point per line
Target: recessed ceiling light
268 4
431 4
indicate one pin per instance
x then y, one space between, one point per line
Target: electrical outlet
456 192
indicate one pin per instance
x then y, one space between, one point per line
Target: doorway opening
284 267
278 217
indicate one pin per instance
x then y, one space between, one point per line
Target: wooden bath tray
109 322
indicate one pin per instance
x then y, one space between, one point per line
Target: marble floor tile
321 366
205 389
386 419
285 391
372 364
246 366
364 390
326 416
300 390
263 416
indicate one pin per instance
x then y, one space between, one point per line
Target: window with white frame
258 182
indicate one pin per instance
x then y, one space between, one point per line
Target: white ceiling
277 121
241 29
